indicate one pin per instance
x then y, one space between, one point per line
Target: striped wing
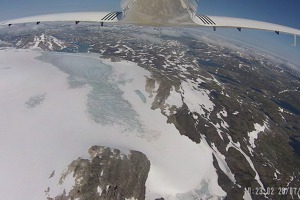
107 17
215 21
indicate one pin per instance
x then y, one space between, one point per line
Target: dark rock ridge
107 175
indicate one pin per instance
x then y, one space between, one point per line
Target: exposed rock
107 175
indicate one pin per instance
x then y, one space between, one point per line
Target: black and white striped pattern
111 16
206 20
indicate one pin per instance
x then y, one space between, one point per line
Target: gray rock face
107 175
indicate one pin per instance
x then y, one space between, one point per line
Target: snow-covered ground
46 123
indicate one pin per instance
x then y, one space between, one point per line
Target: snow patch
99 190
132 198
254 134
174 99
223 164
236 113
196 99
237 146
247 195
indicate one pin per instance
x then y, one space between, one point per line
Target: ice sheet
36 140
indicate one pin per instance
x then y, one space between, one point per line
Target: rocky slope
107 175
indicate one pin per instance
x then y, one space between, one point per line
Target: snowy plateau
89 113
50 135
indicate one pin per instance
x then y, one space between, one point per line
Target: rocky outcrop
43 41
107 175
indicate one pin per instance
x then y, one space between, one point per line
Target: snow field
36 141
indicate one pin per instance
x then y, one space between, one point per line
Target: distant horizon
247 44
280 12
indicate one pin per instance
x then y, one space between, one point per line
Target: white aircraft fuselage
159 12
